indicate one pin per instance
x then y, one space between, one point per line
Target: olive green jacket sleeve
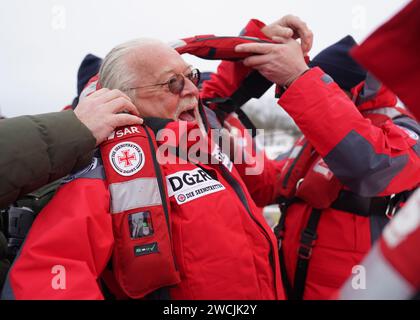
35 150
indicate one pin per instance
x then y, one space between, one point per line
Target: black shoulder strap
253 86
307 242
247 122
279 232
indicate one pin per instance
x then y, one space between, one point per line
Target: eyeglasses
177 82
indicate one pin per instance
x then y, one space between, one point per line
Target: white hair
115 72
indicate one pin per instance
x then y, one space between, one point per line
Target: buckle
307 242
305 252
299 183
391 208
279 233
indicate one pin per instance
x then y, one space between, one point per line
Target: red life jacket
211 47
139 199
139 190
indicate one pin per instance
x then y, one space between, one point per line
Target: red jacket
366 159
222 245
394 262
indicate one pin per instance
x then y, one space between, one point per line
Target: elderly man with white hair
205 239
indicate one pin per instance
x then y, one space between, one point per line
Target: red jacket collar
366 97
369 96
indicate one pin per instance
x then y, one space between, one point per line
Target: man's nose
189 88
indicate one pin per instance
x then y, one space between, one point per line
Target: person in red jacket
142 227
391 270
337 186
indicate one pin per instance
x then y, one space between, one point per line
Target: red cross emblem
182 198
127 158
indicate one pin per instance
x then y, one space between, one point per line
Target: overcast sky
44 41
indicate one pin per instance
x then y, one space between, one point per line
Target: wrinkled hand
280 63
290 27
101 112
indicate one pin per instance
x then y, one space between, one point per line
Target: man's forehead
159 60
181 68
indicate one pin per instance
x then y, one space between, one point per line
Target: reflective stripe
283 156
387 111
295 151
141 192
383 282
408 123
412 126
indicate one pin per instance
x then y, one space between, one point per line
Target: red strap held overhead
212 47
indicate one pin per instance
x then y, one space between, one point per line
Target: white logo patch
127 158
192 184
